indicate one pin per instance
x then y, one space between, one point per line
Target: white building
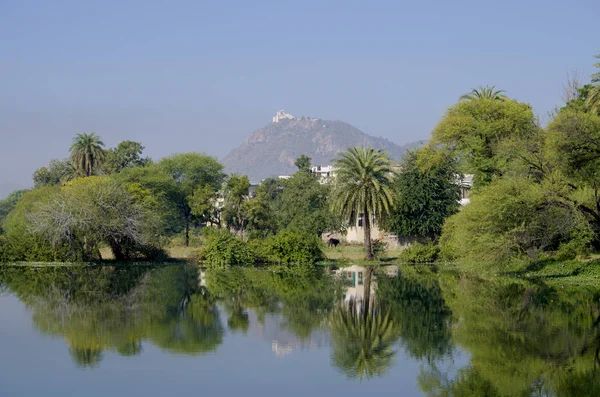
282 115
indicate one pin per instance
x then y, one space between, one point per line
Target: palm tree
362 342
593 100
87 153
486 92
363 185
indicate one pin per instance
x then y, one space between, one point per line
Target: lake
175 330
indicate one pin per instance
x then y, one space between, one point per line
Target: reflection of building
354 276
273 328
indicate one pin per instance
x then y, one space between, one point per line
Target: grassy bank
551 271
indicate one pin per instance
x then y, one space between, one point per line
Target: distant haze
201 76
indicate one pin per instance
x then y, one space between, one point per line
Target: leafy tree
126 154
486 92
303 205
94 210
236 193
190 171
512 217
8 204
425 197
363 185
572 150
87 153
56 173
260 217
303 163
475 132
593 100
204 205
20 243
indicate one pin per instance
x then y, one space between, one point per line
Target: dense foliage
426 196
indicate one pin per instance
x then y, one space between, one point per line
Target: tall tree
236 192
363 185
55 173
486 92
190 171
476 132
126 154
303 163
593 100
87 153
425 196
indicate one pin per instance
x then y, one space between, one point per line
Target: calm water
161 331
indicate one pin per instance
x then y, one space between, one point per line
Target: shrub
509 219
295 247
420 253
223 248
379 248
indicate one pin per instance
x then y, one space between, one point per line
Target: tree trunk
117 251
187 230
368 242
367 296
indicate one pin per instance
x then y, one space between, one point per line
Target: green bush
379 248
420 253
295 247
511 219
19 243
223 248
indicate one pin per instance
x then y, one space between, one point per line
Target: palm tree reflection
362 339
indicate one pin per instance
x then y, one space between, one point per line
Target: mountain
272 150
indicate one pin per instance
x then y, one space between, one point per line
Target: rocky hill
272 150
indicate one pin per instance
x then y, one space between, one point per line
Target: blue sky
202 75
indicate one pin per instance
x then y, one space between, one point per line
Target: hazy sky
202 75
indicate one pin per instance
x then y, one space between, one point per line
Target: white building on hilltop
281 115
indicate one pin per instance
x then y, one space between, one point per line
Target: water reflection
521 338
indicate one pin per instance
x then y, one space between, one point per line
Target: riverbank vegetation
535 197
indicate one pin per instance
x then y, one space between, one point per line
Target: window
360 278
360 220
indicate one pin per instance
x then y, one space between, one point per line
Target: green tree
87 153
8 204
94 210
126 154
260 218
512 217
303 204
236 193
204 205
303 163
593 100
363 185
486 92
475 132
190 171
56 173
425 197
572 150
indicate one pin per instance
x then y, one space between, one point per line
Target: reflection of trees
86 357
100 308
362 340
524 339
421 315
302 300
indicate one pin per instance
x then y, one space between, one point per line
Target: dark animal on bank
333 241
